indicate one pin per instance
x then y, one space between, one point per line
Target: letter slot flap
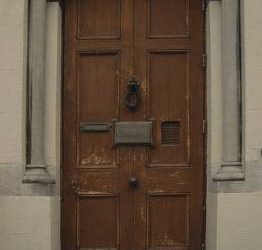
133 133
95 127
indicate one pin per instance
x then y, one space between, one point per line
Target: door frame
205 125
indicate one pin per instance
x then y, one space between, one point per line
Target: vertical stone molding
232 167
35 170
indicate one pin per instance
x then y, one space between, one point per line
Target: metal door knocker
132 98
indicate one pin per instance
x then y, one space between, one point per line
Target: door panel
170 230
168 51
160 44
167 18
98 220
169 106
98 101
99 19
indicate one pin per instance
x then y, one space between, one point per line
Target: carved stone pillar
35 171
231 168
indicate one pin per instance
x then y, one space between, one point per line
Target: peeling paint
167 241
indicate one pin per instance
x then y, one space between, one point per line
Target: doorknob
133 182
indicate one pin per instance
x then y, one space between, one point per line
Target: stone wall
233 208
29 213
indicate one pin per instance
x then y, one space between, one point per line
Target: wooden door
141 195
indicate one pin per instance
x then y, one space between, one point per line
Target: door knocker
132 96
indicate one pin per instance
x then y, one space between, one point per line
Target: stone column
35 171
231 168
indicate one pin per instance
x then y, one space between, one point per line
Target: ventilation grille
170 133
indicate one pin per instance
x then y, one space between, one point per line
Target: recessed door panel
98 102
98 221
169 94
171 231
98 83
99 19
161 21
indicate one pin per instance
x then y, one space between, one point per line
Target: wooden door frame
205 126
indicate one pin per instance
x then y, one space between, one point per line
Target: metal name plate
133 133
95 127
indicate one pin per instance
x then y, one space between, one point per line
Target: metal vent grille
170 133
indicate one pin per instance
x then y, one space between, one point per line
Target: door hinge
204 126
204 60
75 184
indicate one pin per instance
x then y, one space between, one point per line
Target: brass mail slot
133 133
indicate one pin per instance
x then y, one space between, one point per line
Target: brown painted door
160 44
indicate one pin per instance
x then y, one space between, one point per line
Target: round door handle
133 182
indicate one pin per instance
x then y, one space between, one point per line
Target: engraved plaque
133 133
